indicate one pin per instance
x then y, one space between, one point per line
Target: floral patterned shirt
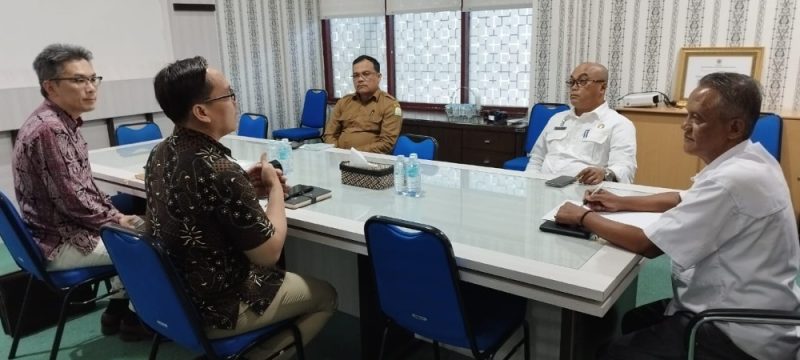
201 205
53 182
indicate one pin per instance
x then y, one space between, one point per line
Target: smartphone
560 181
298 190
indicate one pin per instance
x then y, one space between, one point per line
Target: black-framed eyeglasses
581 82
82 80
232 95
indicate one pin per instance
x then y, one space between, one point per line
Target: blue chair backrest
315 109
154 288
253 125
540 114
417 279
138 132
17 238
424 146
768 132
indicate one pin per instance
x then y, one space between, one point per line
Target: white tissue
357 159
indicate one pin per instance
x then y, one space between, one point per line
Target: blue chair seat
517 163
296 134
69 278
424 146
229 346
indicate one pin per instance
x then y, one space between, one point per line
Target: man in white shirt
732 236
590 141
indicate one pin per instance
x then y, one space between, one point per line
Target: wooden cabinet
475 144
662 162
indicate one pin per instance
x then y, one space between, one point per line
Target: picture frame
696 62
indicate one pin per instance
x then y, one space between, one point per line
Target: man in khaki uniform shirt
369 120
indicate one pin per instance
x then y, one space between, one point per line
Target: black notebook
311 197
576 231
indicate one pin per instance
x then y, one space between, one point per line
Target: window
427 51
351 38
499 56
428 57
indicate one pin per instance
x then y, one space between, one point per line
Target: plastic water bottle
413 177
285 155
400 175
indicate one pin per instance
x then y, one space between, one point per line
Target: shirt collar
375 97
202 139
737 149
71 123
598 112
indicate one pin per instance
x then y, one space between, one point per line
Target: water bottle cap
285 140
413 155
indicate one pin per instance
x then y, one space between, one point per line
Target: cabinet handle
487 141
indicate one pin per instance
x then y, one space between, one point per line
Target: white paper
633 218
316 146
357 159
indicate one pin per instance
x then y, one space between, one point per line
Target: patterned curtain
639 42
271 53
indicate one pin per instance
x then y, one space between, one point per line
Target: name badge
560 128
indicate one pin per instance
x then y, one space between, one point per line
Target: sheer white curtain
272 53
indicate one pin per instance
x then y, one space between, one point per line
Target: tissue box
382 177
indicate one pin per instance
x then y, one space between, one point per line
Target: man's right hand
603 201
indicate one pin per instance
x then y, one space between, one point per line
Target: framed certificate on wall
694 63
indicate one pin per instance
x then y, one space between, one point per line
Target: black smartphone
298 190
560 181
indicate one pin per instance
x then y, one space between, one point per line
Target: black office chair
747 316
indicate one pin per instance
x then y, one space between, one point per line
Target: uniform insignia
397 111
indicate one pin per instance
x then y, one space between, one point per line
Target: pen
596 190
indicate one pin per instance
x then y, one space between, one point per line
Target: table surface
491 216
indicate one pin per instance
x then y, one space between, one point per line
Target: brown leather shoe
110 323
131 329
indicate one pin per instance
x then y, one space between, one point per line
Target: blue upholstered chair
253 125
28 256
161 301
312 121
768 133
425 146
137 132
420 290
540 114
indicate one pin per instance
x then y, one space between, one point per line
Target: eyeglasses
83 80
365 75
232 95
582 82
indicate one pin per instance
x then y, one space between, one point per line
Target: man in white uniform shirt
732 236
590 141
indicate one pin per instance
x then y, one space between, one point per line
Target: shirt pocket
555 136
593 145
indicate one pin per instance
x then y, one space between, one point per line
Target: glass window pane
351 38
499 56
428 56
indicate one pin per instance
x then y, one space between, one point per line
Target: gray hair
50 62
739 97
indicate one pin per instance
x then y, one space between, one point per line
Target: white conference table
491 216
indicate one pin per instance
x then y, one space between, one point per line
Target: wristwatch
609 175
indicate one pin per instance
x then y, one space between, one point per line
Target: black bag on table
44 304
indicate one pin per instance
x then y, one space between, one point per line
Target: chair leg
62 319
18 328
383 341
436 350
154 347
298 343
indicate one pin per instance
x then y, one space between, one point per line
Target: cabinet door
790 159
659 150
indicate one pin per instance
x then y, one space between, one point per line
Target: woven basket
379 178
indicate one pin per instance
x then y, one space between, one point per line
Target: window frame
513 111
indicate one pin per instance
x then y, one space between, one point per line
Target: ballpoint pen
596 190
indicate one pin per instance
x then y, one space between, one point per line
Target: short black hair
371 59
50 62
739 97
181 85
